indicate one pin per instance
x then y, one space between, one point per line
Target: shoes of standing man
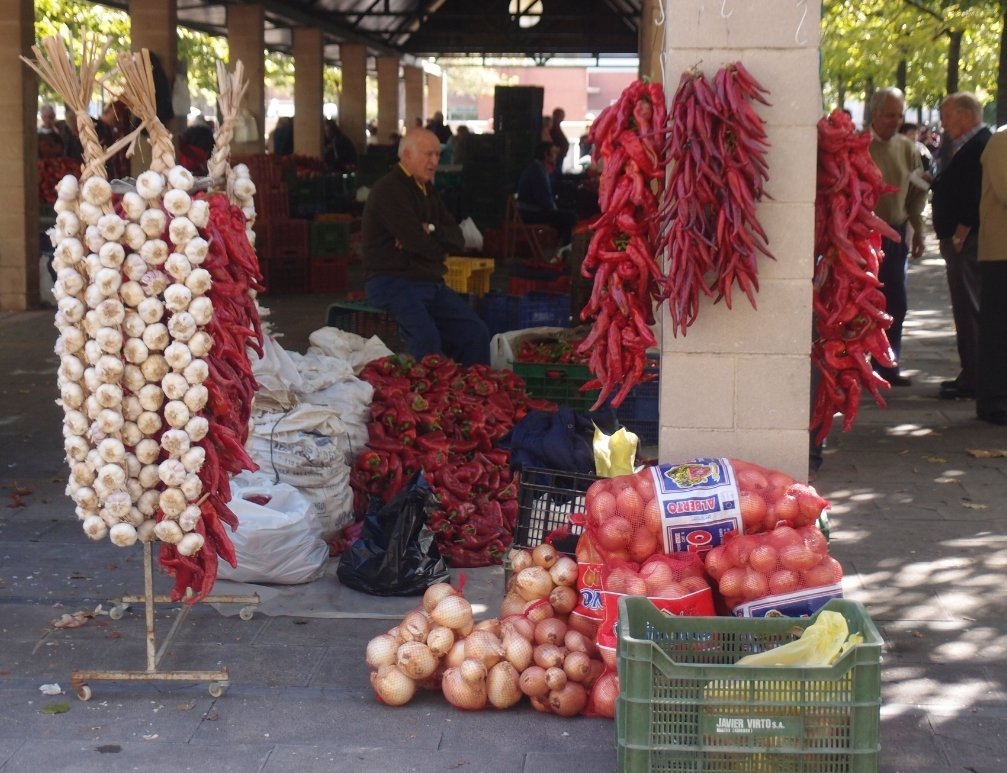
994 417
900 380
952 390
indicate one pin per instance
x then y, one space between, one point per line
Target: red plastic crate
329 273
285 273
519 286
272 202
283 237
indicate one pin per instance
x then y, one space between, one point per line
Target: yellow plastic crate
469 275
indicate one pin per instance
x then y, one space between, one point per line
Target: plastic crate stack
365 320
329 253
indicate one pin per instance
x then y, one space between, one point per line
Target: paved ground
918 525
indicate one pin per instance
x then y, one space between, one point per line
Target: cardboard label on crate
800 603
775 726
699 504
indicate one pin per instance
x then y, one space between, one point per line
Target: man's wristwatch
957 241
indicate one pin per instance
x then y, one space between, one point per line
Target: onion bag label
800 603
699 504
589 587
696 604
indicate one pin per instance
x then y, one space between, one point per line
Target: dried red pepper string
850 318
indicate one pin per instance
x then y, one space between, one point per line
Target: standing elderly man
407 232
900 163
956 192
991 387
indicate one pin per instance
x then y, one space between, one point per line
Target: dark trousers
991 386
963 285
432 318
893 273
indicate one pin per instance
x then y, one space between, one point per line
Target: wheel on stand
246 613
117 611
217 689
84 692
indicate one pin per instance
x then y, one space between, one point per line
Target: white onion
462 694
392 687
415 660
381 651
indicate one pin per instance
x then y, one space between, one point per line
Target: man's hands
917 247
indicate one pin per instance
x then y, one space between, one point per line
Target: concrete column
353 97
246 43
435 93
652 24
308 91
154 26
19 227
388 96
738 384
413 78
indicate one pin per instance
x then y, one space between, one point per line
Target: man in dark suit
957 189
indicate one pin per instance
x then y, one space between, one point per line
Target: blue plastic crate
639 411
544 310
499 312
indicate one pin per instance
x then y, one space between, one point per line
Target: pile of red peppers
850 317
235 327
447 420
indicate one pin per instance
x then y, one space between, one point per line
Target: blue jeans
433 319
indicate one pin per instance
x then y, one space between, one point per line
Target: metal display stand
218 679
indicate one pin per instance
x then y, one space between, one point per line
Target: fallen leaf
974 505
936 459
211 717
188 706
151 737
22 490
76 620
986 453
55 708
917 634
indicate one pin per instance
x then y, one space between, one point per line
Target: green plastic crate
330 238
557 382
685 706
365 320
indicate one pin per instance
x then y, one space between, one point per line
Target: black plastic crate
363 319
546 500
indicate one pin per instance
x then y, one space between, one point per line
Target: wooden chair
526 240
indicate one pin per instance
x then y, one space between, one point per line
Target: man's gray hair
879 97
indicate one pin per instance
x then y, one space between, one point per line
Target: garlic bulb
194 458
76 448
177 202
151 397
92 264
151 310
181 230
195 398
109 395
176 443
93 296
196 372
199 213
110 312
201 309
73 339
95 528
76 423
91 380
174 386
154 282
134 267
118 504
149 184
133 379
177 297
181 178
199 281
68 223
196 428
147 503
154 252
107 280
149 476
82 474
135 351
71 368
111 450
71 395
177 355
123 534
71 281
147 450
156 336
145 531
73 310
133 324
131 435
192 487
96 191
109 421
171 472
149 423
168 531
86 497
111 477
176 413
135 518
112 255
189 517
109 339
110 226
131 293
172 502
68 189
69 250
93 409
177 266
134 205
154 367
153 222
244 188
133 488
200 344
197 247
181 326
92 324
131 410
92 237
191 544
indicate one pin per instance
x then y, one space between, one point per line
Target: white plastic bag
277 542
470 231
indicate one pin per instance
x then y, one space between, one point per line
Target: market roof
541 29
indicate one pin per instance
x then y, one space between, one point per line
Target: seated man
407 232
535 200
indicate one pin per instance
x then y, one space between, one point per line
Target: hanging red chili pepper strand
707 218
850 317
628 138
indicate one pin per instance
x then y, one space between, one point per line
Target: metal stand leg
218 679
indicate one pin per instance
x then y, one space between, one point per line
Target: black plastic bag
395 554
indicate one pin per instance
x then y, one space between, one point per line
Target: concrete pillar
19 227
435 93
353 97
154 26
388 96
738 384
652 24
308 67
413 79
246 41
